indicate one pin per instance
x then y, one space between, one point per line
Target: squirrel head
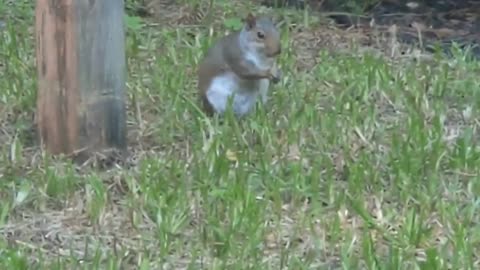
261 35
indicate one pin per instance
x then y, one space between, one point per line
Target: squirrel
240 66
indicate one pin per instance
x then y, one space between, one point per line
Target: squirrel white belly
240 67
244 93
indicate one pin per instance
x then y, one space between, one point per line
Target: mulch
429 23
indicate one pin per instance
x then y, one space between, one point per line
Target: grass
359 161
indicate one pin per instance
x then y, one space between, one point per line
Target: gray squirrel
240 66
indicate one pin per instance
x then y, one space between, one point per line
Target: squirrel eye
260 35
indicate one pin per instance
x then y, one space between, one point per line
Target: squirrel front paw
276 75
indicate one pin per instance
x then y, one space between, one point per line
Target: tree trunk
81 75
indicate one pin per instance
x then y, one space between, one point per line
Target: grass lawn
365 157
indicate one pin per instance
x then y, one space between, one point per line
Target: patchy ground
365 158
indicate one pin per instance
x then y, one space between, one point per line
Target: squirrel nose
276 51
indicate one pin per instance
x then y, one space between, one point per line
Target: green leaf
233 23
133 22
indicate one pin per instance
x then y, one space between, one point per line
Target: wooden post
81 68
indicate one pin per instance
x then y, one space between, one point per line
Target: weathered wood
81 75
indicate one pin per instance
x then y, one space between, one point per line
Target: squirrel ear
250 20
